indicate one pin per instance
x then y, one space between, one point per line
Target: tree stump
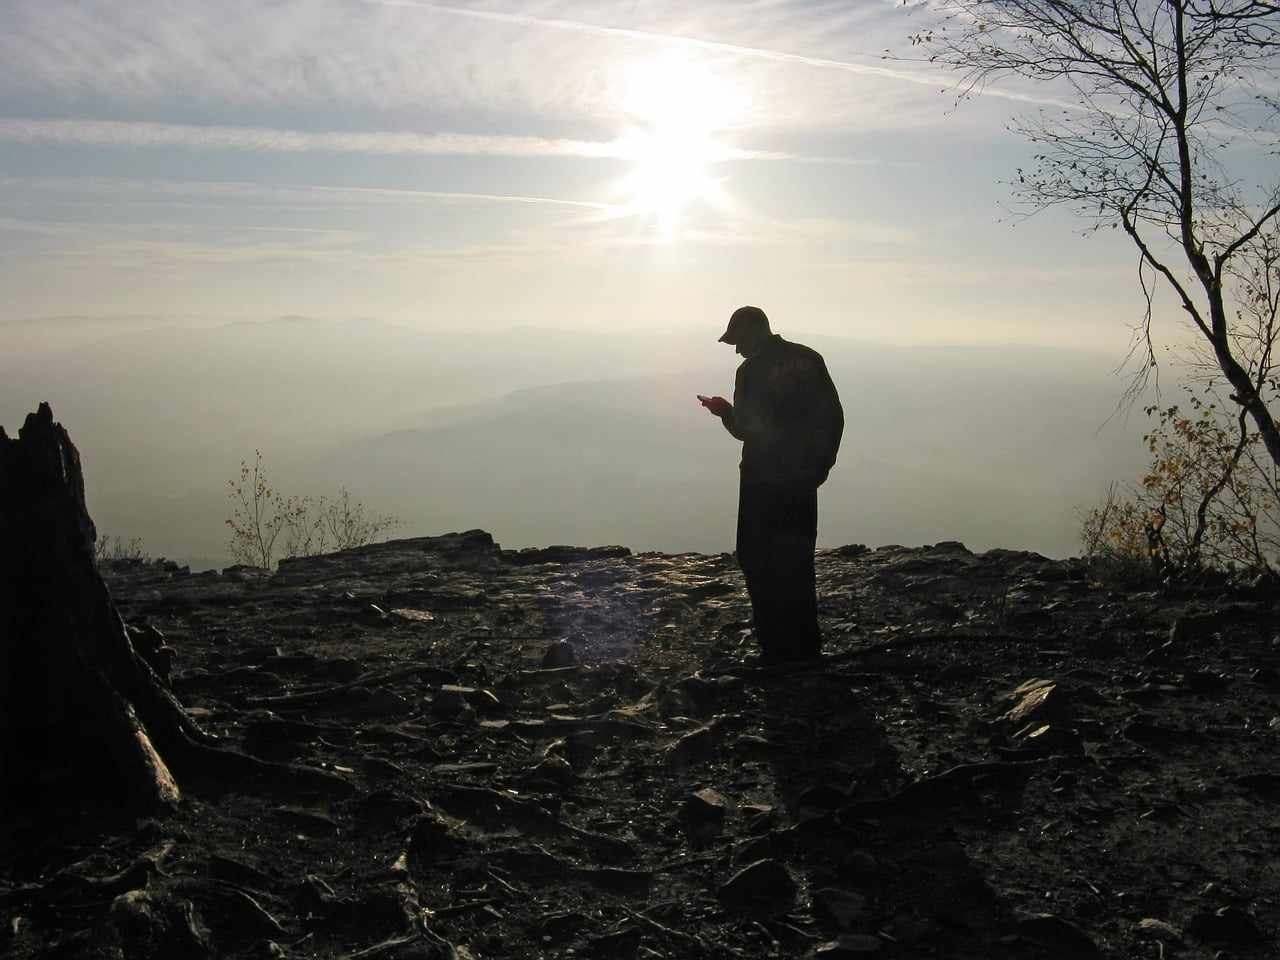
82 715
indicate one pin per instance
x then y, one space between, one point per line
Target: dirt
572 753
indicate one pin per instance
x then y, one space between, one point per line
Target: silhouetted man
788 416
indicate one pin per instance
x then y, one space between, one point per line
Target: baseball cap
746 320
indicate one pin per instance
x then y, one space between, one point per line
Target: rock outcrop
573 753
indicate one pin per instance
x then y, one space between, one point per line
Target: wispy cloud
927 78
120 133
323 56
132 191
146 134
604 30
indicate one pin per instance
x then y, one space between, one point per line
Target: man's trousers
777 533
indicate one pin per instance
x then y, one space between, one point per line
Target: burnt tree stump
83 717
81 713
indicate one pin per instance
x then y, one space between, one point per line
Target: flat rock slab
899 817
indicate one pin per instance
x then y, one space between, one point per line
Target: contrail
241 189
448 195
144 133
759 53
216 136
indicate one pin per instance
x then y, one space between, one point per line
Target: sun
679 108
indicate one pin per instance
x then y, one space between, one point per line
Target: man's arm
726 411
730 418
830 423
730 421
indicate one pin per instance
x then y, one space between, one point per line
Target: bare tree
1255 21
1164 100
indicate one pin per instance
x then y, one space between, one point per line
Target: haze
472 262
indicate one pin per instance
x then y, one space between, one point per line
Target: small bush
266 525
1208 500
109 548
1117 541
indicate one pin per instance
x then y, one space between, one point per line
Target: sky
604 165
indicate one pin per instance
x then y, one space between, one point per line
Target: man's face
749 344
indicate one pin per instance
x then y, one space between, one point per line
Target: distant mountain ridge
553 436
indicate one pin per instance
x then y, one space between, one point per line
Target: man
788 416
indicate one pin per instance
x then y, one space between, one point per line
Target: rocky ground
568 753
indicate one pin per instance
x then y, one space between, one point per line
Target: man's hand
717 405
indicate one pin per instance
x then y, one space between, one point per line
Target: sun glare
679 108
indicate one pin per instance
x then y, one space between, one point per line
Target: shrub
264 521
109 548
1208 500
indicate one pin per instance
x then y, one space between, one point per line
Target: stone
770 844
553 770
749 746
850 945
1195 626
843 909
155 925
764 887
1206 681
383 703
1039 701
756 817
860 867
487 703
702 815
493 810
436 837
1155 736
386 808
452 701
822 797
307 822
560 654
580 749
622 943
699 744
618 880
908 928
378 768
693 696
1055 933
480 768
1047 738
1267 676
1225 925
1267 784
1150 928
704 806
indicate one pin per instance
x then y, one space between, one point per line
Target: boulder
764 887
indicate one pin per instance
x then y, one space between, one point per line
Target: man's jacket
787 414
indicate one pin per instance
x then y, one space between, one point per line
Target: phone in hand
717 405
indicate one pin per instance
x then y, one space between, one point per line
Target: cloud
716 46
930 78
122 133
115 191
424 60
215 137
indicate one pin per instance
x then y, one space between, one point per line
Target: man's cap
745 320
